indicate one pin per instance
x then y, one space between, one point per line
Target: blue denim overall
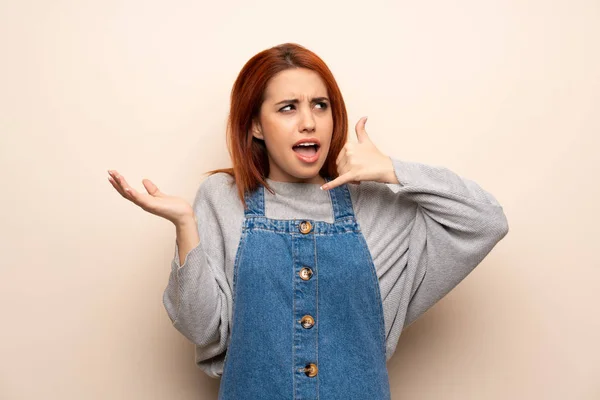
307 313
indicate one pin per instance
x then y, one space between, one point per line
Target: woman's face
296 109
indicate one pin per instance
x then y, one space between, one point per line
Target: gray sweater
425 235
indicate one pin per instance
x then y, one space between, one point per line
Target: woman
296 270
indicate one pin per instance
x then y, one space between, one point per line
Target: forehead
295 83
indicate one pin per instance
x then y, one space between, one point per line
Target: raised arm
196 297
456 224
444 225
426 232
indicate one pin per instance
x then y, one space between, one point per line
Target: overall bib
307 313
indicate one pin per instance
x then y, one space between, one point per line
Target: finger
151 188
343 167
340 156
117 187
361 133
340 180
130 193
123 183
116 177
115 182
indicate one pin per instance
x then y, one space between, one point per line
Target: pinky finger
340 180
116 186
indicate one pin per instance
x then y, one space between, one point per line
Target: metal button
307 322
305 273
305 227
311 370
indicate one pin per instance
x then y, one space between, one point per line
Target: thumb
361 133
151 188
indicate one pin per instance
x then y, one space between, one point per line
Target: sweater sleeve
197 294
425 234
456 224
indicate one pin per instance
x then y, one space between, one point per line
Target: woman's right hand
174 209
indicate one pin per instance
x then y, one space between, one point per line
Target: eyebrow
296 101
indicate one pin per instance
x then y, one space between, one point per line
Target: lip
308 159
308 140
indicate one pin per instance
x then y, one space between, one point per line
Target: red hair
248 154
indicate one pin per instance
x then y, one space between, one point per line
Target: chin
292 169
305 174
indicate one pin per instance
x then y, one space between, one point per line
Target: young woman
296 270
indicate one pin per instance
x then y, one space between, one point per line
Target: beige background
506 93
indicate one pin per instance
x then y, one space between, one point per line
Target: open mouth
306 150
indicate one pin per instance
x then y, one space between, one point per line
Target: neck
316 180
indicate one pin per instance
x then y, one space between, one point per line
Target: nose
307 121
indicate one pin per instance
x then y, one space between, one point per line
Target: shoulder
217 191
217 183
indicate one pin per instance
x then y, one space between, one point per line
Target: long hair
248 154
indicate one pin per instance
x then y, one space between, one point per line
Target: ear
257 130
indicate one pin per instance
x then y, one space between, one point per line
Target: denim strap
340 201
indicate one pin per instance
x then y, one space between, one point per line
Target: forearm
453 201
418 179
187 237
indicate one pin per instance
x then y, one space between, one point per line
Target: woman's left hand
362 161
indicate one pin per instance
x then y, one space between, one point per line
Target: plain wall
506 93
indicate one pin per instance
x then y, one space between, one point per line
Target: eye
323 105
284 108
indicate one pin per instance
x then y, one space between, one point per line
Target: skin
280 125
362 161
